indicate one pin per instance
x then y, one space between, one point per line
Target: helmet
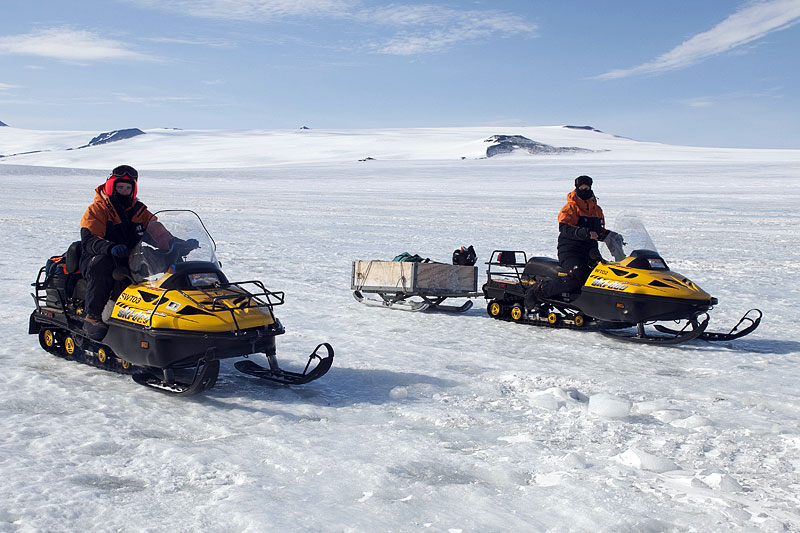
122 172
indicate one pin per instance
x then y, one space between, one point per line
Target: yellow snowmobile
619 298
175 318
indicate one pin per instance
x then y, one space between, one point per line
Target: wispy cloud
68 44
751 22
413 29
709 101
7 86
430 28
250 10
155 100
193 42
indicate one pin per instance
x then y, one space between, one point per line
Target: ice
642 460
609 406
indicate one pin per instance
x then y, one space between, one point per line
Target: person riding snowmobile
581 225
111 226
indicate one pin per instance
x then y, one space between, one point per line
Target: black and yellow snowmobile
619 298
175 320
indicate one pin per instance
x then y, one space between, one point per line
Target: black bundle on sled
465 256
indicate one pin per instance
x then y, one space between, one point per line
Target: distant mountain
589 128
113 136
505 144
3 124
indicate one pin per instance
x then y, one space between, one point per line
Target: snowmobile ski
734 333
276 375
672 336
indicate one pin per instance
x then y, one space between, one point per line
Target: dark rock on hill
2 124
505 144
113 136
590 128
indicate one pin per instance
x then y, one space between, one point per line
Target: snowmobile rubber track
732 334
87 353
276 375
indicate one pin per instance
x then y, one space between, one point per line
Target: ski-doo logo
608 284
134 315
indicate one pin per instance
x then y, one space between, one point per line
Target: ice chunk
692 422
398 393
609 406
575 461
642 460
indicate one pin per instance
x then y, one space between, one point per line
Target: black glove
182 247
119 250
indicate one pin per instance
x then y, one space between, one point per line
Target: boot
94 327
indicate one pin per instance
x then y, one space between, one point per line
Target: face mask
584 194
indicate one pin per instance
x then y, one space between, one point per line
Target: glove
119 250
182 247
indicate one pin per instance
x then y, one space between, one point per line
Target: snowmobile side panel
176 348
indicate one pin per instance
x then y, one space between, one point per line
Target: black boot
94 327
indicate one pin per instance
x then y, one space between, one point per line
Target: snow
426 422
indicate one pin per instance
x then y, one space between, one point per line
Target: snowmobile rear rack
430 284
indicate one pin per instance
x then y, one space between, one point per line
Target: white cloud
750 23
708 101
249 10
6 87
419 28
429 28
68 44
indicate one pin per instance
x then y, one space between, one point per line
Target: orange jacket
576 220
102 226
578 213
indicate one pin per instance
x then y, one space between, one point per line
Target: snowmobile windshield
189 242
634 236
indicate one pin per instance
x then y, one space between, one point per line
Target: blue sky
711 72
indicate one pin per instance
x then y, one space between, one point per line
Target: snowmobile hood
213 310
620 278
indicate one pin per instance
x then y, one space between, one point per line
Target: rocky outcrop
113 136
505 144
2 124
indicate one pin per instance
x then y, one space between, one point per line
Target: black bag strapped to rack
62 275
465 256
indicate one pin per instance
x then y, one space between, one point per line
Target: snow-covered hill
426 422
176 149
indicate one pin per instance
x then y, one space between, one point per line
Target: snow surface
426 422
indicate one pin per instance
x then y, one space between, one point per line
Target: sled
414 286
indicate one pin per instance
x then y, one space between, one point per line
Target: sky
712 73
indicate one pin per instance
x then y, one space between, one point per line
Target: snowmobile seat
542 267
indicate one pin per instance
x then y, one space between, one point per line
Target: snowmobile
620 298
175 316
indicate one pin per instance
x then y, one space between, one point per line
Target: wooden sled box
414 278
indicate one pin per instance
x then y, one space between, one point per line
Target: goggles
125 171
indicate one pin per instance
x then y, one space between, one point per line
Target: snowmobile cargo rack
396 282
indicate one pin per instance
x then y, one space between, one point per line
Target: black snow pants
97 270
579 270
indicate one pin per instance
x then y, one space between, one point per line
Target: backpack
465 256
